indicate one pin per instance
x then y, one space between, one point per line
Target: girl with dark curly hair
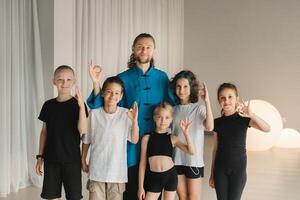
190 168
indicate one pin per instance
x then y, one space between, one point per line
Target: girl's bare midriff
160 163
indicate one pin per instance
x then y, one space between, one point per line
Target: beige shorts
105 191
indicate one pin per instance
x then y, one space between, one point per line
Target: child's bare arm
82 122
255 121
133 115
259 123
39 163
208 123
142 167
135 132
84 151
214 150
189 146
43 136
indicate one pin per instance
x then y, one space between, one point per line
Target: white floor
272 175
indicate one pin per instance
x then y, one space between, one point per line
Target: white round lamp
258 140
289 138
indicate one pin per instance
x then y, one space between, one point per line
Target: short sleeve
95 101
43 114
201 111
247 121
215 126
86 111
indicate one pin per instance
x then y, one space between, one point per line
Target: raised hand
184 125
95 72
133 112
79 98
244 110
203 92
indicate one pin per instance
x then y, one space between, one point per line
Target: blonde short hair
62 68
163 105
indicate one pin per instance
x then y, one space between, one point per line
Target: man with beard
146 85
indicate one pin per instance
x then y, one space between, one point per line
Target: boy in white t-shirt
110 127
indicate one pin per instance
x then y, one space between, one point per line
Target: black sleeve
43 114
86 110
215 126
247 121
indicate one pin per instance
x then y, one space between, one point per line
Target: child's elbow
82 130
192 152
210 128
267 129
134 140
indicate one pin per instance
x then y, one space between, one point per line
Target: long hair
193 82
132 59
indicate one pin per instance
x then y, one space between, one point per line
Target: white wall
254 44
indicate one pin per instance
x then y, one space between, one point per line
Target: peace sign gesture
244 110
79 97
95 72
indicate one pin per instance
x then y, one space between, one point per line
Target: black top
231 131
63 138
159 144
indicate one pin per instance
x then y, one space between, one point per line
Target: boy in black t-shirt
64 120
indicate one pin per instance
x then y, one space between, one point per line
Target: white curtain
105 29
21 86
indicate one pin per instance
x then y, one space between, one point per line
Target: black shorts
58 174
190 172
157 181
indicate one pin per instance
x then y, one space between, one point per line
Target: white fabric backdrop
104 31
22 94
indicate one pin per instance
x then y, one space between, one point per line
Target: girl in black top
228 172
157 151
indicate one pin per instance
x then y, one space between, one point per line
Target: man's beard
143 61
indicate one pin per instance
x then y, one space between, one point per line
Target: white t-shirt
196 113
108 135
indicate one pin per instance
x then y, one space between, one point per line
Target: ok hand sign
184 125
244 110
133 112
95 72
